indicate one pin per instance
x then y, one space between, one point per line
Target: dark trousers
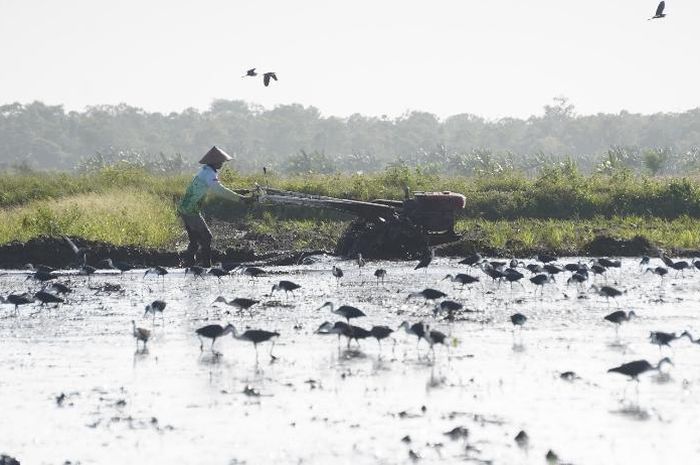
200 237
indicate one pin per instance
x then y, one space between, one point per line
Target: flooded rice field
74 387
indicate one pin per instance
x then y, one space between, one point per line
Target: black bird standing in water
254 272
427 294
346 311
426 259
381 332
380 274
157 306
212 332
416 329
61 288
638 367
80 252
17 300
48 298
661 338
197 271
286 286
619 317
140 334
659 11
256 336
267 76
462 279
472 260
158 271
337 273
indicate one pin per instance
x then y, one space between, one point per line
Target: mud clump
55 252
609 246
398 239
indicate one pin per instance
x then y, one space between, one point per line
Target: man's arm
219 190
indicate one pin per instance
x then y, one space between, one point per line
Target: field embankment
559 211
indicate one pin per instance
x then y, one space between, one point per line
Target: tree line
297 139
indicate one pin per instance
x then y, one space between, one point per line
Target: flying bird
267 77
659 11
250 73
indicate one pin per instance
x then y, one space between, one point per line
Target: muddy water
321 403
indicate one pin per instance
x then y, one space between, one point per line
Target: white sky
493 58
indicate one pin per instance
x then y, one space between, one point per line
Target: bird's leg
256 352
201 344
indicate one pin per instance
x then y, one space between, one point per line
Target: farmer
204 182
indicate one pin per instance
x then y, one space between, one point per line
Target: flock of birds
543 271
271 75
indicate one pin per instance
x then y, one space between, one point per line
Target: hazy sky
489 57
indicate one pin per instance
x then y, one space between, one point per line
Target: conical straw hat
215 155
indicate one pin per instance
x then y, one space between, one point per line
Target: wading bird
346 311
541 280
426 259
286 286
471 260
380 274
140 334
661 338
638 367
80 252
61 288
17 300
690 338
427 294
196 271
380 333
212 332
462 279
449 306
48 298
43 276
619 317
546 258
156 270
659 11
534 268
360 262
120 266
267 76
518 319
254 272
434 337
256 336
606 291
607 263
43 268
339 327
157 306
644 261
416 329
578 278
337 273
552 269
659 271
241 303
218 271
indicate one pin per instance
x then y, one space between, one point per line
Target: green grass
559 210
119 217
